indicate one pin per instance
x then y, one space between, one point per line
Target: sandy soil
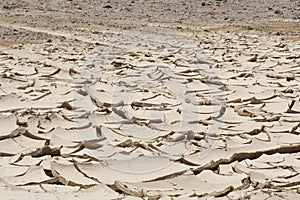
149 99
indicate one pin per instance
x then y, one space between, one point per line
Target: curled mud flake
114 170
13 102
25 71
34 175
44 94
93 144
8 126
59 139
10 170
125 188
46 150
267 109
232 180
24 87
68 174
184 185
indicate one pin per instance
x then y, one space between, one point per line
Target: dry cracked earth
150 99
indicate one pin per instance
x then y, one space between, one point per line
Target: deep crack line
243 156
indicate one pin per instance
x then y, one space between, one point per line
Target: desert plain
148 99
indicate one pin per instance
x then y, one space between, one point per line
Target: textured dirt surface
149 99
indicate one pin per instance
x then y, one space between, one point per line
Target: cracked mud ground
149 99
